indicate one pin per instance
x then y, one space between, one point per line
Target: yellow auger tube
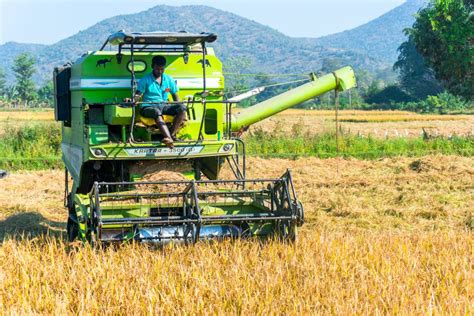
342 79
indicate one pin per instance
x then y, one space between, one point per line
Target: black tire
72 228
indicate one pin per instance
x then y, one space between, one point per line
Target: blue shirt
153 91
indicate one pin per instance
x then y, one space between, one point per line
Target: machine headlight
99 152
226 148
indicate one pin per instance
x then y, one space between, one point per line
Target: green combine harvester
108 148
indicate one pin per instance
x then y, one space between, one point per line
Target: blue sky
48 21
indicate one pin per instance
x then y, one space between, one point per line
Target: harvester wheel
72 228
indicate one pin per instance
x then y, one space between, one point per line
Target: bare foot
168 142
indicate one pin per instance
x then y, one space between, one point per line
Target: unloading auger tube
342 79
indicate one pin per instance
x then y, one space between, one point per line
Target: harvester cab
113 153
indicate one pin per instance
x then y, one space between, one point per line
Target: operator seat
149 122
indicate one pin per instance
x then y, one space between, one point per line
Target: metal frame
283 208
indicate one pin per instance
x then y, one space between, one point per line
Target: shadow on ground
27 225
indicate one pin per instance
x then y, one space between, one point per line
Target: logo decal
157 152
104 83
208 64
103 62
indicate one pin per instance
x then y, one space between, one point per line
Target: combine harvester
108 148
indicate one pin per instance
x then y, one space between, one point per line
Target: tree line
24 92
436 62
434 71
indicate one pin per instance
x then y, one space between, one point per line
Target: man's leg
155 113
179 113
167 139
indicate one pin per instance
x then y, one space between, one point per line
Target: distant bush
441 103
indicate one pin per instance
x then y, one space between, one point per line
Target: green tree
3 86
416 78
24 68
388 97
46 93
443 34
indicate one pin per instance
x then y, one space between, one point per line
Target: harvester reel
286 230
299 213
190 234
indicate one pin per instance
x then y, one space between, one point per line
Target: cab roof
160 38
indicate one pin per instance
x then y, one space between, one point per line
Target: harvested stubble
387 236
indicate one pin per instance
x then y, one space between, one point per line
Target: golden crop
15 116
387 236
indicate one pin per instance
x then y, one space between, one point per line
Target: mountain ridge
266 48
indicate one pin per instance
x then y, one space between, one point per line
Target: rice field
385 236
382 236
30 115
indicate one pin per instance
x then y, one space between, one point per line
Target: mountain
379 38
266 48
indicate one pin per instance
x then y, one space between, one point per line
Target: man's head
158 64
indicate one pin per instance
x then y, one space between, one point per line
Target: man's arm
141 88
138 95
175 97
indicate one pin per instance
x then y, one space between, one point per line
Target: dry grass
15 116
374 123
367 118
388 236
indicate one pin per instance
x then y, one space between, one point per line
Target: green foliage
416 77
444 34
330 64
297 144
389 95
36 146
24 69
442 103
46 93
3 85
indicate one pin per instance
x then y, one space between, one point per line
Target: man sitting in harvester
155 88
